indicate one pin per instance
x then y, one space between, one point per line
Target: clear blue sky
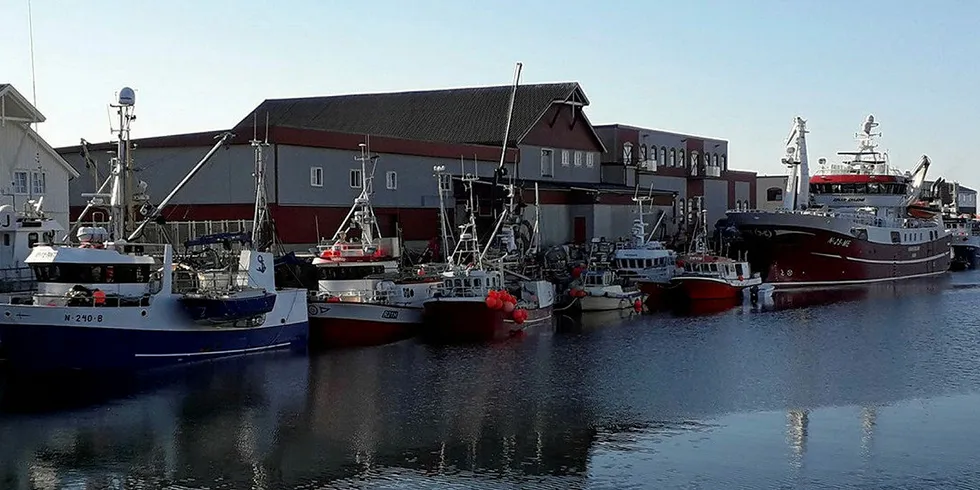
733 69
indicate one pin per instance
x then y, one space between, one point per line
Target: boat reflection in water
347 418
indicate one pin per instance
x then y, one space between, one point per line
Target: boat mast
440 172
361 212
503 157
260 218
121 200
797 192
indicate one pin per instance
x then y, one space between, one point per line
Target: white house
29 166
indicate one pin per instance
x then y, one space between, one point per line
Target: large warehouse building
313 176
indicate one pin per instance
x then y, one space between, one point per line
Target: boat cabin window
31 240
477 282
889 188
738 270
348 272
6 239
92 274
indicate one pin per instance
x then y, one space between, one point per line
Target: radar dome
127 96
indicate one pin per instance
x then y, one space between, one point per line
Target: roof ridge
423 91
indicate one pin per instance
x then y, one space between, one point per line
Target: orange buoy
99 297
638 306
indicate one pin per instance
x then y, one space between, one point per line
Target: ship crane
797 193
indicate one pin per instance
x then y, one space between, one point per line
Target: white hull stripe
216 352
872 261
788 285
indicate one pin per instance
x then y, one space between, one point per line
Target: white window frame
578 159
446 182
565 160
627 153
547 162
17 189
355 175
39 182
391 180
590 159
316 176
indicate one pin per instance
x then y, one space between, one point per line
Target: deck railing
17 280
857 217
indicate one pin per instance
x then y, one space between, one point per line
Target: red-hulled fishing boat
474 302
707 276
362 298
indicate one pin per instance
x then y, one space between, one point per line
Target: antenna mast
261 216
121 201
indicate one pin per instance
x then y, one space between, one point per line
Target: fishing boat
706 276
473 302
643 261
19 233
599 288
855 222
363 298
115 303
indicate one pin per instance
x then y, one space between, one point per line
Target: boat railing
382 296
208 281
865 219
17 280
83 300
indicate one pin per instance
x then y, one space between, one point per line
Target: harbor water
870 388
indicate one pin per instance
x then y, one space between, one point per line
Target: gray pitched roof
463 115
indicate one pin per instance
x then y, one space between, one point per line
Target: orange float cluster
577 293
502 300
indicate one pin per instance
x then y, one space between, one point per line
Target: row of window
357 180
672 157
568 158
37 181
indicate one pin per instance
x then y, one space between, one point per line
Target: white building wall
20 155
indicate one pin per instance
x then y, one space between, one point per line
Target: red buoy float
638 305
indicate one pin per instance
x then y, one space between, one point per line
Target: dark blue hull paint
40 348
228 309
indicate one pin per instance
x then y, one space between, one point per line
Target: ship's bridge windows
32 239
348 273
92 273
888 188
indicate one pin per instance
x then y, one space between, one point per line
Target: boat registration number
83 318
390 314
840 242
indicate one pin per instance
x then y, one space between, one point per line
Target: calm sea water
872 388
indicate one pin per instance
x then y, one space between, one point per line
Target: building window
627 153
680 159
20 182
445 182
356 178
547 162
643 152
724 162
680 208
714 160
694 158
653 153
590 159
774 194
663 155
391 180
316 176
578 159
38 183
565 161
673 157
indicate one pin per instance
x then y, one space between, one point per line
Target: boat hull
704 288
452 320
341 325
608 303
53 347
965 257
656 293
815 251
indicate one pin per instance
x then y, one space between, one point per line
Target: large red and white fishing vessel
853 222
362 298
